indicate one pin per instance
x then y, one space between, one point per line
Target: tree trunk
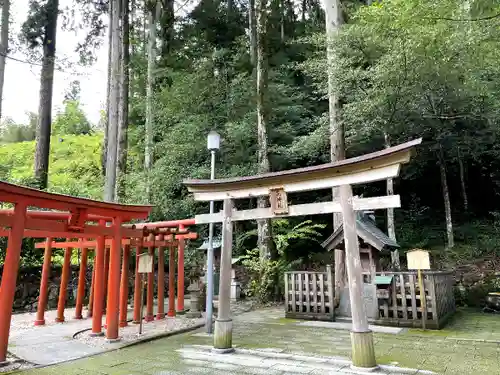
391 228
124 96
282 20
303 11
4 46
167 27
462 180
43 130
253 33
148 160
114 104
264 241
108 91
446 198
334 20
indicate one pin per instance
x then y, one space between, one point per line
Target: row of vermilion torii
170 236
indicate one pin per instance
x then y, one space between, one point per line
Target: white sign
145 263
418 260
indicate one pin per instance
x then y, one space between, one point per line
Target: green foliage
10 132
403 68
72 120
267 274
74 166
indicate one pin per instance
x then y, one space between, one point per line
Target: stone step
275 361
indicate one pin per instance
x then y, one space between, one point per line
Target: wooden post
81 282
151 280
63 288
171 282
91 296
124 287
223 335
363 352
339 274
98 285
9 276
113 301
329 280
106 277
44 283
160 314
423 300
138 284
180 277
143 284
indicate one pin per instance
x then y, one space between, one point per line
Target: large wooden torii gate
367 168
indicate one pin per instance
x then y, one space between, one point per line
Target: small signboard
418 260
145 263
279 201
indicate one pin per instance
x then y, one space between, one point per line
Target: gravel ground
15 364
131 332
23 321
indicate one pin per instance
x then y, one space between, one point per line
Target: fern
267 274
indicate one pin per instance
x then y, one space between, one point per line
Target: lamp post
213 144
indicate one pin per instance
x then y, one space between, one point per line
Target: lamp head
213 140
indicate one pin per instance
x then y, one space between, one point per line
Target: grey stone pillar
223 334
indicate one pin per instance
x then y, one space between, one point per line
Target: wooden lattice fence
309 295
403 306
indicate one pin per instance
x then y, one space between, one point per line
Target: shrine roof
367 230
388 157
11 193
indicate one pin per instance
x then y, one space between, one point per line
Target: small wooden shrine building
371 239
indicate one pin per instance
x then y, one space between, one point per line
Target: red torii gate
169 238
20 222
83 219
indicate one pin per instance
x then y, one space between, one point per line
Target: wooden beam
61 229
169 239
360 204
357 177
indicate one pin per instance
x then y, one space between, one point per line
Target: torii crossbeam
367 168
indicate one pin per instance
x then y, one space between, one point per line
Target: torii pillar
223 334
81 282
98 286
124 287
44 283
137 283
180 276
151 280
160 314
113 301
63 289
363 352
9 276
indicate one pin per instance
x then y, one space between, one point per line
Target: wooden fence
309 295
403 306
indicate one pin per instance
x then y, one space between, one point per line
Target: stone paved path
54 343
467 347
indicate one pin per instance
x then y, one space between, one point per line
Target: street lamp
213 144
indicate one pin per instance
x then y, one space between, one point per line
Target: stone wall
28 286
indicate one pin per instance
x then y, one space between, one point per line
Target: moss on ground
437 351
